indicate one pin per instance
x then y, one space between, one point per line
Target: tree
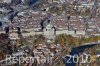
4 45
56 10
64 39
90 39
39 39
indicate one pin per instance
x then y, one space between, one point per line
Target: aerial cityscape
49 32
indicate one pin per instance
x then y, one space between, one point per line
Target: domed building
49 29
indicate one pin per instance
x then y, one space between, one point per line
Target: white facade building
7 1
49 30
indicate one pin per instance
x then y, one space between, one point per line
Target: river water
75 51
